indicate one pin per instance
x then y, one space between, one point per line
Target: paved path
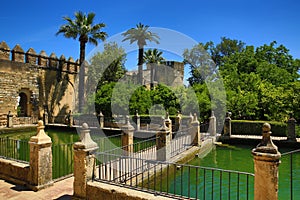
62 190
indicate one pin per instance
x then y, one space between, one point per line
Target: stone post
292 129
168 122
266 162
9 123
70 119
127 137
101 120
84 162
177 122
212 125
40 175
45 115
227 125
163 143
195 131
138 121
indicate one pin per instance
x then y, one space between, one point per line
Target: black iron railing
14 149
63 160
293 176
109 142
173 180
182 140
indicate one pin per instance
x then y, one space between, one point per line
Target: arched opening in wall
23 105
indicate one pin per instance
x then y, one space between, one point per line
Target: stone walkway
61 190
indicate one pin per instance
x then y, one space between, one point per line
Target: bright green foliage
153 56
140 101
260 83
140 35
103 99
201 65
165 96
107 66
83 28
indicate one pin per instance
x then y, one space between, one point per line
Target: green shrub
244 127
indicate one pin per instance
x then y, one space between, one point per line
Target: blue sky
33 23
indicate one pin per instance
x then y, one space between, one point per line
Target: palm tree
140 34
152 58
83 28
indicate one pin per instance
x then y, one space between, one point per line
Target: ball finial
266 127
40 123
85 126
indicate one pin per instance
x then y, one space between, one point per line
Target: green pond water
187 181
62 148
205 184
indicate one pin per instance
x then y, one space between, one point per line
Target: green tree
102 99
225 48
141 35
107 66
140 101
153 56
163 95
83 28
201 65
259 82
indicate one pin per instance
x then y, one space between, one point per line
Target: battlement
17 54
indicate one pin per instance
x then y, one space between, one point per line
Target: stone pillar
84 162
101 120
127 137
45 115
69 119
40 175
212 125
9 123
138 121
177 122
292 129
195 131
227 125
163 143
168 122
266 162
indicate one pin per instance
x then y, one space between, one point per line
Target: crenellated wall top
17 54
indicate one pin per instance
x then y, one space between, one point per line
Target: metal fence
178 181
14 149
109 142
182 140
62 160
292 175
140 147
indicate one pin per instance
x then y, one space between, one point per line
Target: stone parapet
17 54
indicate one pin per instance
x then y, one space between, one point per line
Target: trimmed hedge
244 127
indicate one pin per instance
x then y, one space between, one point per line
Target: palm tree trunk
140 65
81 76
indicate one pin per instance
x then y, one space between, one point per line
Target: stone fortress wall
31 83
